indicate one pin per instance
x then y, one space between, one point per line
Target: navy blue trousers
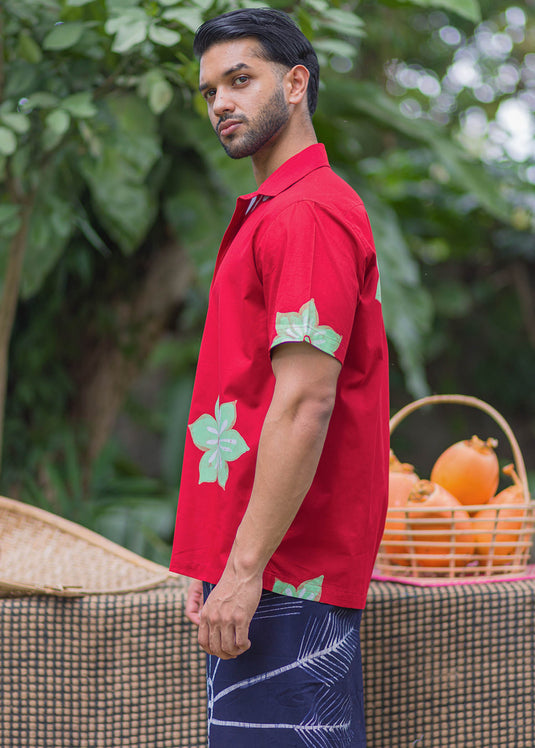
299 685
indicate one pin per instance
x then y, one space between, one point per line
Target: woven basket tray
419 543
43 553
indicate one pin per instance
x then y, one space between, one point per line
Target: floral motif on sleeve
220 443
309 590
295 327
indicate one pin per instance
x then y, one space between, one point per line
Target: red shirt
297 263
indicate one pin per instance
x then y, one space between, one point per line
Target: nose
222 102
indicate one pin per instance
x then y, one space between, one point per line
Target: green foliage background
106 155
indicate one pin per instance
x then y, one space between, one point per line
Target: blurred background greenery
115 193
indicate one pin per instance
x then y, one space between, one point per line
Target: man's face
245 96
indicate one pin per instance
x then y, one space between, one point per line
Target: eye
209 93
241 80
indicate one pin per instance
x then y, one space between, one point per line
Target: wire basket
421 542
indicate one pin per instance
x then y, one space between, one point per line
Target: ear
296 81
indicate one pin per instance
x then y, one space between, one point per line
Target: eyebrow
230 71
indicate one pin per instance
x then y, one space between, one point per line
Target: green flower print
220 443
309 590
293 327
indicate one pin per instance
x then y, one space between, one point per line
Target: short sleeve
308 261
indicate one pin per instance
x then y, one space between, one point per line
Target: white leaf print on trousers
327 652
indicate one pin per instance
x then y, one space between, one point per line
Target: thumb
194 604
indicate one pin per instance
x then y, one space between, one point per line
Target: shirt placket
240 214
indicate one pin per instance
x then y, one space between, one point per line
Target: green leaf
78 3
191 18
8 211
469 9
163 36
39 100
51 225
118 6
318 5
63 36
128 17
407 307
468 174
28 49
8 141
130 35
160 96
166 3
335 47
116 175
343 22
80 105
9 219
58 121
50 140
19 123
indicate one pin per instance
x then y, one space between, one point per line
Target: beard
271 118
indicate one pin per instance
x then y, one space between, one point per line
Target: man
284 484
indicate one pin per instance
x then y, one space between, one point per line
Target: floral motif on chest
219 441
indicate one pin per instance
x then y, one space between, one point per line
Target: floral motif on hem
302 326
220 443
308 590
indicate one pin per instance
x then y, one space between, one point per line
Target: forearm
289 450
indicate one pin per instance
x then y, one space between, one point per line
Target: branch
525 294
8 301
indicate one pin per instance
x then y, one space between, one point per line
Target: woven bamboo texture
419 542
444 667
450 667
101 671
43 553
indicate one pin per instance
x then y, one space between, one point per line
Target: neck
275 154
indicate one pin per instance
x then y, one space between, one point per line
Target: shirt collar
291 171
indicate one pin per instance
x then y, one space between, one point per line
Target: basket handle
476 403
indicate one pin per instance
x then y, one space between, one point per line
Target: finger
243 642
214 642
194 604
234 640
193 609
228 642
210 639
204 635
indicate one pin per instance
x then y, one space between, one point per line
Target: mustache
228 117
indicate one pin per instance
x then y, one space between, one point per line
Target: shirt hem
331 595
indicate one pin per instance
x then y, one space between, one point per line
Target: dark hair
280 38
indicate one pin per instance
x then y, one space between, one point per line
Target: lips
228 127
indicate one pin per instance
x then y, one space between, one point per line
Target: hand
194 601
226 615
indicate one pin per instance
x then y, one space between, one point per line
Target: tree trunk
8 303
113 362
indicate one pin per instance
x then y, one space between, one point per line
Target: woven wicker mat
104 671
450 667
